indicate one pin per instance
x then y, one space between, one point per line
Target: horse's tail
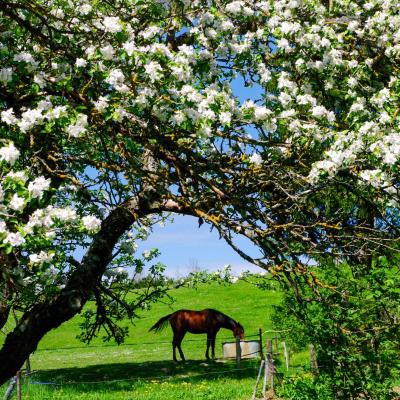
160 324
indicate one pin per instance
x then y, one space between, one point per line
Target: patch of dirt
270 395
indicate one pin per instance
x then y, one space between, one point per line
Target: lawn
142 368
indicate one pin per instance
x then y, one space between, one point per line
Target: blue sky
184 246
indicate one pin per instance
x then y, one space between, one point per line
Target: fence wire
135 344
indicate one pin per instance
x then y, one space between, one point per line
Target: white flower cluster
256 159
43 221
38 186
41 257
30 118
77 129
91 223
9 154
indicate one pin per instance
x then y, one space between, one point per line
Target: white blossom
79 127
153 69
18 176
91 223
116 77
17 203
101 104
41 257
8 117
9 154
15 239
255 158
261 112
129 47
146 254
235 7
30 118
107 52
62 214
3 227
225 117
112 24
284 44
6 75
24 57
38 186
81 62
84 9
150 32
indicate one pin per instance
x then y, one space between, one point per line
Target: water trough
249 349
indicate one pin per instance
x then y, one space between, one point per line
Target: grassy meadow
142 367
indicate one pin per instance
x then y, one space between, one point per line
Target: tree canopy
113 112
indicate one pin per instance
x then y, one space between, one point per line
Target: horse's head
238 330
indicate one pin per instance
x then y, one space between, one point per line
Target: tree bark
7 263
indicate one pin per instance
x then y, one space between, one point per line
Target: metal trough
250 349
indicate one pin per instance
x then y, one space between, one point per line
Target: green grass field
142 368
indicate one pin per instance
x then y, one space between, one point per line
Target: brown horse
206 321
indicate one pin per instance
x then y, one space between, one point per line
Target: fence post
238 351
258 379
261 343
19 394
264 388
313 359
8 393
270 365
276 345
286 355
28 366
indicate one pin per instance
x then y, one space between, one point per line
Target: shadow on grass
120 376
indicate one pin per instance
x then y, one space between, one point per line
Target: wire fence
135 344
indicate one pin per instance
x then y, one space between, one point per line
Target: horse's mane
223 318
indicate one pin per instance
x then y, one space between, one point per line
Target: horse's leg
178 344
208 345
213 346
174 345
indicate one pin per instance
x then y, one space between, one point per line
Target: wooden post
264 388
258 379
286 355
238 351
261 343
19 394
276 345
313 359
10 389
270 364
28 366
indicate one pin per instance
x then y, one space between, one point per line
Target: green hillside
142 368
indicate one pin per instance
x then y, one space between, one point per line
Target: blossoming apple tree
276 120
